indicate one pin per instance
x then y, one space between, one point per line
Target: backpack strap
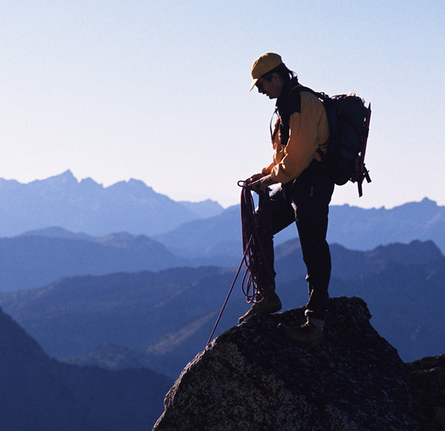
276 127
299 89
285 107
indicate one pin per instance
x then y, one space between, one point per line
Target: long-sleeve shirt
308 131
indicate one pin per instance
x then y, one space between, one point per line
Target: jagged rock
253 378
429 377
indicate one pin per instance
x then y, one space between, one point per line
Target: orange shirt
308 130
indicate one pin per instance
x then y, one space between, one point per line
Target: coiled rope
258 256
258 245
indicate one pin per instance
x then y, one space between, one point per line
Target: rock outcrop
429 378
253 378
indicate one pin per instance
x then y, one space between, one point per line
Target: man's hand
260 182
256 177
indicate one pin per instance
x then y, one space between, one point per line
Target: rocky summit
253 378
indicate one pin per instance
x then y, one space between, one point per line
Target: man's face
271 86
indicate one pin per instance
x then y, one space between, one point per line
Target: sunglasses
259 84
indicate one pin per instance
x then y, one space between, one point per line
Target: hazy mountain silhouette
364 229
40 257
192 230
218 237
40 394
355 228
88 207
165 318
132 309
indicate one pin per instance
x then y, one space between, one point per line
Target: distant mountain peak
64 177
204 209
57 232
415 253
426 201
138 183
134 185
86 206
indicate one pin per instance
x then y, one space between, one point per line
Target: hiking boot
268 305
307 334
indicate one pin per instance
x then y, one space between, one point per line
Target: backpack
348 119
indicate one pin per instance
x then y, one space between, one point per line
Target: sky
159 90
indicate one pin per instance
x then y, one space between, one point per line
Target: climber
303 191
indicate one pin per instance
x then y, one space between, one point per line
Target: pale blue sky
158 90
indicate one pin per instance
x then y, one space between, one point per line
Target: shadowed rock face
429 377
253 378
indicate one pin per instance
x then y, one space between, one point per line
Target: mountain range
162 319
192 230
88 207
355 228
37 258
41 256
38 393
121 278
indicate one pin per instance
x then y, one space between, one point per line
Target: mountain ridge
40 394
75 316
191 229
37 258
88 207
353 227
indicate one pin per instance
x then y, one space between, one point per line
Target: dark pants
305 200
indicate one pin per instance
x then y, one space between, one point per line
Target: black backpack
348 119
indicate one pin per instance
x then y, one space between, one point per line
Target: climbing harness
258 254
